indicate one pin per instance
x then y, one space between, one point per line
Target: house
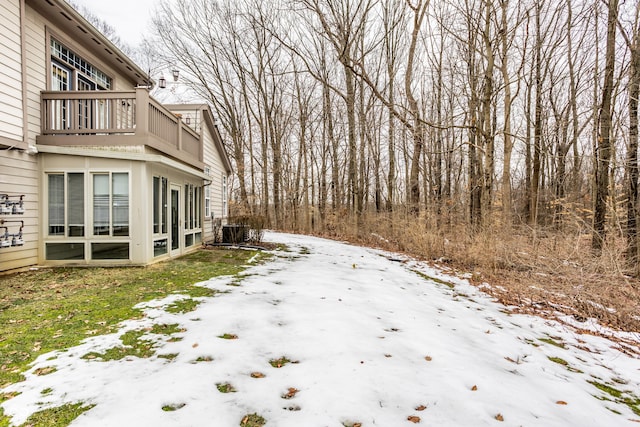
93 170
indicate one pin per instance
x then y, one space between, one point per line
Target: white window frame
207 194
160 206
111 204
66 202
224 196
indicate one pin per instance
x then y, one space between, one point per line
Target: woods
462 117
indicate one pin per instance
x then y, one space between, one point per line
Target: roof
63 15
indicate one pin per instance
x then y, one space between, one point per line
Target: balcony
116 119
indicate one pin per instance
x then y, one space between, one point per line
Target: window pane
164 205
186 207
156 204
224 196
56 205
101 205
65 251
120 204
75 204
159 247
207 201
109 251
191 208
198 206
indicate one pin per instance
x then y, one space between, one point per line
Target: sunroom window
111 204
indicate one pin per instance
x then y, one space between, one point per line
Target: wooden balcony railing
73 118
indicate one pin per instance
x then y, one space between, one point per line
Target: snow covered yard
329 334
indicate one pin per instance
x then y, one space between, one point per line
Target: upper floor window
88 77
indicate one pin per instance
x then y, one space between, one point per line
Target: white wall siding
11 114
19 175
214 161
36 69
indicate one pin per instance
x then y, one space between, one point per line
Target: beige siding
36 69
213 160
18 175
24 173
11 114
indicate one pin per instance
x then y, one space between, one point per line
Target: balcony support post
142 111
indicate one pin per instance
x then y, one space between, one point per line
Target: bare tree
632 41
603 147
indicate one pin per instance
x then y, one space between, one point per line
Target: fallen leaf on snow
290 393
420 408
499 417
474 388
561 402
413 419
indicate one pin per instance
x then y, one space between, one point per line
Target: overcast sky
130 18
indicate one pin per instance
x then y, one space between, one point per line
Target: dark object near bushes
246 228
234 233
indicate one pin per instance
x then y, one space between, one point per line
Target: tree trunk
506 130
603 148
633 173
487 126
537 125
419 12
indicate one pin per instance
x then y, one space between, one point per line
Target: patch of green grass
183 306
166 329
132 345
225 388
45 371
552 342
46 391
170 356
203 359
226 336
434 279
304 250
60 416
56 308
606 388
252 420
173 407
279 363
6 396
559 361
563 362
618 396
236 282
